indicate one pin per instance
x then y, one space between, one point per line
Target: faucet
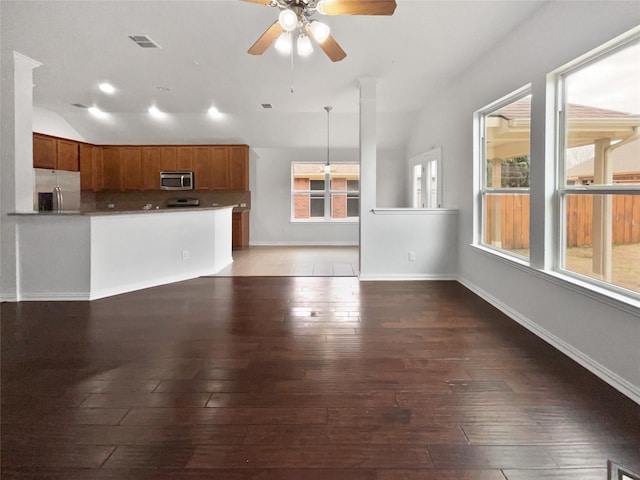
58 204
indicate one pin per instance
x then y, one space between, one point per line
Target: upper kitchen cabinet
91 174
112 168
131 162
55 153
68 155
168 159
219 168
45 151
184 158
239 168
202 170
151 163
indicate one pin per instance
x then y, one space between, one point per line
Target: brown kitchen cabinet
131 161
45 152
112 168
238 168
55 153
90 167
202 170
184 160
151 161
220 168
168 159
67 155
240 230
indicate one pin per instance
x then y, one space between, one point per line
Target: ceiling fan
296 15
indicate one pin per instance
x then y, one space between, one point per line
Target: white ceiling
203 61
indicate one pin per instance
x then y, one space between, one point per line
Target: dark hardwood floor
298 378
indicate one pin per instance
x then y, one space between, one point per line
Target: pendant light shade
304 45
283 44
319 30
288 20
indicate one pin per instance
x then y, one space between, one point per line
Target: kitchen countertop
122 212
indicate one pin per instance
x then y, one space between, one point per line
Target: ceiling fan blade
266 39
332 49
359 7
261 2
329 46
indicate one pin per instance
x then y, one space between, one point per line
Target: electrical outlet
412 256
243 205
185 255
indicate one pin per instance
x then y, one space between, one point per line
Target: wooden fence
514 220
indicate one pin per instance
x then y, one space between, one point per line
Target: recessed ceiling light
214 112
94 110
155 111
107 88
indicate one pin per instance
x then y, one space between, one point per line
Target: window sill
328 222
617 300
414 211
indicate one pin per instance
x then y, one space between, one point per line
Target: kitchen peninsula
91 255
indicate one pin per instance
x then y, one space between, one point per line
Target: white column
16 178
23 135
368 150
602 212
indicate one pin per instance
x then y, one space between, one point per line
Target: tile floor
298 261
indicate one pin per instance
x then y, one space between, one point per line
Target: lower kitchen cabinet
240 230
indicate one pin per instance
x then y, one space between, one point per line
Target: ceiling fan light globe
304 45
320 31
320 7
283 43
288 20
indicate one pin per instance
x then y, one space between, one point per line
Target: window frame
564 190
327 195
481 173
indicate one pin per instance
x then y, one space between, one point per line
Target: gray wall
270 184
602 335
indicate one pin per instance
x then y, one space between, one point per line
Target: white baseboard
55 297
155 282
6 297
302 244
383 277
602 372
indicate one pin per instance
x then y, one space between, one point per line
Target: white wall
602 336
50 123
270 177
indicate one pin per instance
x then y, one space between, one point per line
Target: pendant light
327 167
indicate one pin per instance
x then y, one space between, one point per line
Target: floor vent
144 41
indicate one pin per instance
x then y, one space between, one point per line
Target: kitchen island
91 255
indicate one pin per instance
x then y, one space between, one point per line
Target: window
504 178
599 155
312 200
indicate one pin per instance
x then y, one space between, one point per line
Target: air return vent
144 41
267 105
79 105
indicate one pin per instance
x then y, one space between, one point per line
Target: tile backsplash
99 201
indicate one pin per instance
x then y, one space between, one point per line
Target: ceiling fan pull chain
292 69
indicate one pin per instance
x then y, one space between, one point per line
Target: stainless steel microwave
176 180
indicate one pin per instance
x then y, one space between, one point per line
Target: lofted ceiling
203 62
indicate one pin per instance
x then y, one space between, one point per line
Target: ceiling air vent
267 105
79 105
144 41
